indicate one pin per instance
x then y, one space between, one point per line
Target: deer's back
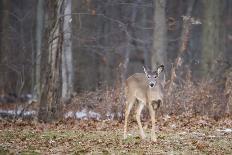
137 81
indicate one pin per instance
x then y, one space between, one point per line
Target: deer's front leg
152 114
138 115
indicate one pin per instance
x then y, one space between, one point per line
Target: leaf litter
175 134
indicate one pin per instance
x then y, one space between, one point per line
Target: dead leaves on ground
176 134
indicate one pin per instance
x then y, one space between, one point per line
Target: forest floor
176 135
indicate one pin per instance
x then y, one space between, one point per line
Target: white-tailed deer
146 89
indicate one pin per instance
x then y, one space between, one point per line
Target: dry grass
176 135
203 98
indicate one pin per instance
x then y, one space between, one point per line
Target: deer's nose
152 84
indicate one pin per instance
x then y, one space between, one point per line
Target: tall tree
146 34
5 19
36 80
129 40
211 35
159 51
67 65
50 101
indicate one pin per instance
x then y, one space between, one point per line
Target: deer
146 89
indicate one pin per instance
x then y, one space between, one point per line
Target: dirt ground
176 135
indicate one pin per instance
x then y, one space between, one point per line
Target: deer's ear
160 69
144 69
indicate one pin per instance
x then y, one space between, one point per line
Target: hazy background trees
101 42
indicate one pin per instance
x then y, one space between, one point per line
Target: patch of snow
198 134
110 115
69 114
13 112
51 141
183 133
119 114
81 114
166 117
211 136
32 112
173 126
95 115
10 112
227 130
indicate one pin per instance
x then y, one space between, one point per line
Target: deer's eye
148 76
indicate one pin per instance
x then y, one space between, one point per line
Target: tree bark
211 33
67 64
36 82
4 48
129 42
50 101
146 48
159 51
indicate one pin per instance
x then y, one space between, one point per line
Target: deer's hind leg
129 104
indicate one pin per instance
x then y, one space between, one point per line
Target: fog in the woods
76 55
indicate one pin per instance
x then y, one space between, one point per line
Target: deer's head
152 76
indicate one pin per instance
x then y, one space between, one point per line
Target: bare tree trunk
105 69
4 48
67 63
129 40
50 102
159 51
211 36
146 49
36 82
228 92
